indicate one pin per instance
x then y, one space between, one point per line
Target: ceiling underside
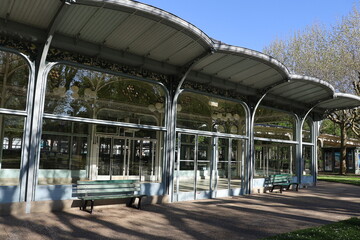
140 35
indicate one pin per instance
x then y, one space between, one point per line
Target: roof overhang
133 33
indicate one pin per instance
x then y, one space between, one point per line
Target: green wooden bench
281 181
108 189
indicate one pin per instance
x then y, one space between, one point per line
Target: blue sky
255 24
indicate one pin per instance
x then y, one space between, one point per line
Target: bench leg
92 206
139 204
130 202
84 203
280 188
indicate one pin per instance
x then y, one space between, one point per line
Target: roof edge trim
314 80
347 95
266 59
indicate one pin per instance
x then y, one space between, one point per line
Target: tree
331 54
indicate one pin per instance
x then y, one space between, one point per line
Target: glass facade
14 78
102 126
210 163
279 156
74 149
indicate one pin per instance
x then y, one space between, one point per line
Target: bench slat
106 181
100 186
119 190
109 197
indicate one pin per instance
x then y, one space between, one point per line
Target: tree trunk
343 166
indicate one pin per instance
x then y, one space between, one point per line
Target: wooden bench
281 181
108 189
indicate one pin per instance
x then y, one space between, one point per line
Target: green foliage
343 230
330 53
329 127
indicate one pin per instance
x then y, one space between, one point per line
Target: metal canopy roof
140 35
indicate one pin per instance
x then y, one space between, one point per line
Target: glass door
127 158
208 167
193 167
105 158
237 156
203 167
230 167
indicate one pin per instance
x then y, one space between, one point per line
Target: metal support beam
300 159
38 101
172 121
251 164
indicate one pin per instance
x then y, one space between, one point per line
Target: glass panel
337 160
55 152
307 131
63 152
104 156
274 158
118 156
236 161
307 160
149 161
328 160
68 149
350 159
201 112
79 153
274 124
14 75
203 163
186 172
135 155
11 144
73 91
223 164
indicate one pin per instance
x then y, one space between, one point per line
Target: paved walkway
247 217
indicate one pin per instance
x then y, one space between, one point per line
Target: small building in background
329 155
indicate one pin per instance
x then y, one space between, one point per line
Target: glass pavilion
122 90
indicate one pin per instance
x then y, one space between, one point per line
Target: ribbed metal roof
137 34
340 101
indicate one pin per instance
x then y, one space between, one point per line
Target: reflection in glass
186 173
236 161
63 152
270 123
14 75
203 163
201 112
73 91
307 131
11 145
307 160
223 164
274 158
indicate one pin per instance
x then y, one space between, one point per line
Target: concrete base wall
19 208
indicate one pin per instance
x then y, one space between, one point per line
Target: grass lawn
343 230
349 179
